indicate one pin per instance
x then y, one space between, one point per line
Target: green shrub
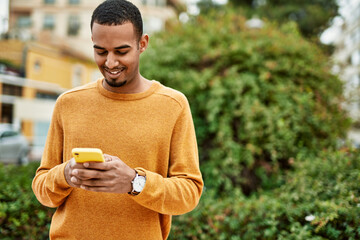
21 215
325 187
258 96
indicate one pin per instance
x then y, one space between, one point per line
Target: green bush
325 187
21 215
258 96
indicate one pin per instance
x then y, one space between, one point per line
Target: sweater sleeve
49 184
180 191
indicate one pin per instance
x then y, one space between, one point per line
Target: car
14 147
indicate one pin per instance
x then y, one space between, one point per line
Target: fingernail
86 164
75 172
73 179
82 186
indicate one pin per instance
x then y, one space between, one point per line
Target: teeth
114 72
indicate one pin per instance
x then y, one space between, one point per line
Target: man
145 130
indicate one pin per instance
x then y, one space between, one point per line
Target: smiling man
145 130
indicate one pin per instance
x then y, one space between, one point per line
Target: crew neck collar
127 96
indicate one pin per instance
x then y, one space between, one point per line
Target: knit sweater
151 131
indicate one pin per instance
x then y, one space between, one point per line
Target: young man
145 130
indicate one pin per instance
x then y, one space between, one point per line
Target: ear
143 43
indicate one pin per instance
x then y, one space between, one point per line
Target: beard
113 83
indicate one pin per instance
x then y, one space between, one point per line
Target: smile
114 72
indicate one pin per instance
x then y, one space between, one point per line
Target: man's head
118 12
116 28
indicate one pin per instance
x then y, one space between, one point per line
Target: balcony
23 5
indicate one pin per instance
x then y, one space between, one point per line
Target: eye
101 53
121 53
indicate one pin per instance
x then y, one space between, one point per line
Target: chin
114 83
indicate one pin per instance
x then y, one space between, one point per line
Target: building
67 22
347 56
347 61
28 101
50 42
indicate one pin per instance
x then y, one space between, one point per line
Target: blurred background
45 49
273 87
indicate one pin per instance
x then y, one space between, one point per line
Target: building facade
67 22
347 57
27 101
347 63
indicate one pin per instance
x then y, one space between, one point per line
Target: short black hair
117 12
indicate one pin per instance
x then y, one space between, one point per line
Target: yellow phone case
82 155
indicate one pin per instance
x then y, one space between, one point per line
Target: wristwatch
138 184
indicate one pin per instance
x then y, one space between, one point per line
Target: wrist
138 183
132 175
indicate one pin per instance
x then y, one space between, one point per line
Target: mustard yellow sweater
150 131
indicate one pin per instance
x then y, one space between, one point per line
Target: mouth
114 73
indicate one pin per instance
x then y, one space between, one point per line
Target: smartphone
82 155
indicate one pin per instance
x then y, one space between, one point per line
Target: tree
258 96
313 17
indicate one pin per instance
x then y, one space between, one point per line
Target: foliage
21 215
320 200
312 17
324 186
258 96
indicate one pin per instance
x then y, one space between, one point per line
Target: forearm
172 196
50 186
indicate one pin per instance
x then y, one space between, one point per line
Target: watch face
139 183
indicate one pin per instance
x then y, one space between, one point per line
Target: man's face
117 51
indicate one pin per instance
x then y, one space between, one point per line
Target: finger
96 183
107 157
85 174
74 182
98 166
75 165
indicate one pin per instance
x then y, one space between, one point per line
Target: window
49 22
9 134
23 22
37 66
45 95
7 111
11 90
73 25
74 2
49 1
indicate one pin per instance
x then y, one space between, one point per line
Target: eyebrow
120 47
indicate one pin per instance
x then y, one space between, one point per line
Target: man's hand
111 176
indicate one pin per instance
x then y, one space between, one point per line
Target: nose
111 61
